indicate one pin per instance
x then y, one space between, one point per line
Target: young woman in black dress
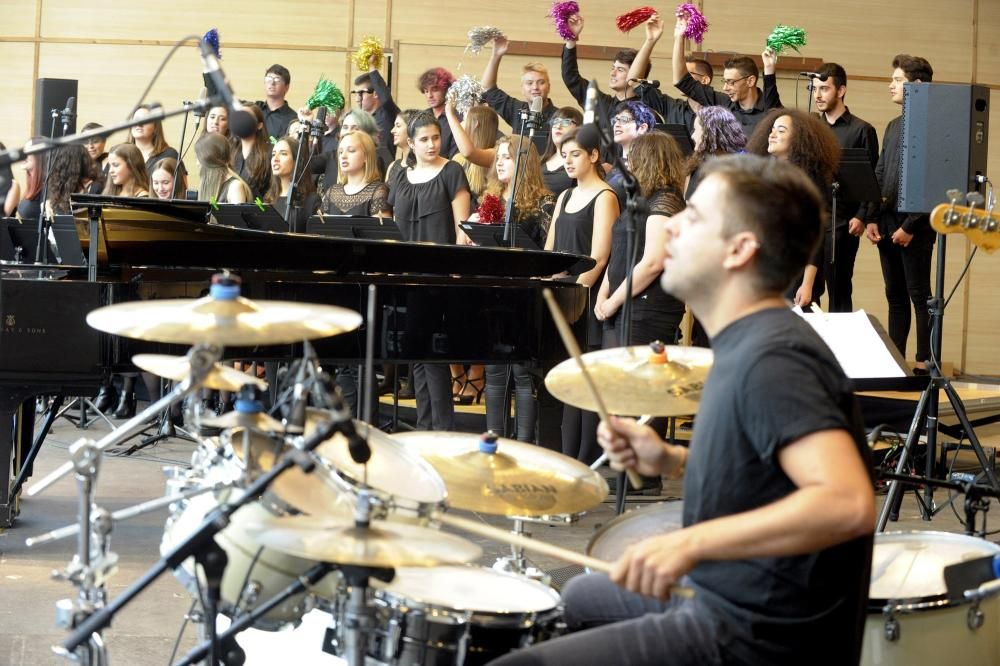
359 189
306 201
553 173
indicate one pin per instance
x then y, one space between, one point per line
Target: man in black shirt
434 84
852 132
277 114
372 94
778 501
534 83
905 241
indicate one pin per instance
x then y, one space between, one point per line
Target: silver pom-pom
465 93
480 37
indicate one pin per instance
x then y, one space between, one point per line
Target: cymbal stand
928 403
516 562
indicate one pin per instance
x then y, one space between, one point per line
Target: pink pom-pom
697 26
634 18
560 14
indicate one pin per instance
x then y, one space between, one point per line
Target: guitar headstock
981 226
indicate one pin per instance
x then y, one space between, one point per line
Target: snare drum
459 615
910 619
609 542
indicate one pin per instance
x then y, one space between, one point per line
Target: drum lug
975 617
393 647
891 628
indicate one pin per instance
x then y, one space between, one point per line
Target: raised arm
575 83
500 46
772 99
479 156
654 30
380 87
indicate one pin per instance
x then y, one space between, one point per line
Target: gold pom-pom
370 47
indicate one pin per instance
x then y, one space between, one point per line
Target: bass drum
910 618
458 615
611 540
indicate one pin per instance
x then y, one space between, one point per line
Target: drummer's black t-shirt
774 381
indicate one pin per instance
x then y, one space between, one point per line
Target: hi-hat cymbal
234 323
391 469
383 544
177 368
517 479
631 380
254 420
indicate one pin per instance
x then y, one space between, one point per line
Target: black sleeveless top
652 298
575 231
556 181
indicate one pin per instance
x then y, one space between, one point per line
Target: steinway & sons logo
10 326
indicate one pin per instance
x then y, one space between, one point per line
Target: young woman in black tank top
582 225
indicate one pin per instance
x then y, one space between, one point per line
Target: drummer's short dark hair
778 203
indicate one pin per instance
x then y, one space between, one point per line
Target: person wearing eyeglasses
277 114
553 165
371 93
632 120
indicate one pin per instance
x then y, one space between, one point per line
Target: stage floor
145 632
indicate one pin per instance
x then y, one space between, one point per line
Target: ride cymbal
239 322
177 368
505 477
635 380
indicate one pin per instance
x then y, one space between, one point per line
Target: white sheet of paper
855 342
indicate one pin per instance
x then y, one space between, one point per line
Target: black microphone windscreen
242 124
589 137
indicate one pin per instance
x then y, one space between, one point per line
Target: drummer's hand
652 566
632 446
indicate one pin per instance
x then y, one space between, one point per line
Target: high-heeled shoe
105 397
126 406
458 383
464 398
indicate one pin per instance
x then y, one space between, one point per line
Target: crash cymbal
383 544
254 420
235 323
392 468
177 368
516 479
635 380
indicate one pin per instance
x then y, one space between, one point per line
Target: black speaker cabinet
945 138
52 94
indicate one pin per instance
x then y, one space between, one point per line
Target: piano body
434 303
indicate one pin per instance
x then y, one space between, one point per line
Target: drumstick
542 547
569 340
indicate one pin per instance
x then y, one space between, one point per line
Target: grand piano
435 303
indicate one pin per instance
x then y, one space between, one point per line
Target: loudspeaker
945 138
52 94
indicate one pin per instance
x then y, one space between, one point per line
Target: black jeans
526 406
839 275
907 275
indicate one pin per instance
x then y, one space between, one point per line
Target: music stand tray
491 235
249 216
351 226
68 241
856 177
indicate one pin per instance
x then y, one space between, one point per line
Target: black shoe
126 406
105 398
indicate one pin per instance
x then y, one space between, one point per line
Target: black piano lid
149 235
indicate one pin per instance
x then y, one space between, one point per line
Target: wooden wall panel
15 107
319 22
18 18
371 18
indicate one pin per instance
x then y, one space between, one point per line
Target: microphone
295 422
970 574
357 445
652 83
590 103
199 109
814 75
534 116
241 123
318 124
68 113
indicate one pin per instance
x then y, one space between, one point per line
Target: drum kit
274 518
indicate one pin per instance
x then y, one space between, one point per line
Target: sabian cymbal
391 469
253 420
517 479
177 368
234 323
383 544
632 380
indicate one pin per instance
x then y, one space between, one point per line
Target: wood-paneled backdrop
112 47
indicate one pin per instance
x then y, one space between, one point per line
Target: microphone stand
41 246
509 225
289 220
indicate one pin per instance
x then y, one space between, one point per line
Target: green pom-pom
786 36
326 94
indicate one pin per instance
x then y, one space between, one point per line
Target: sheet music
858 347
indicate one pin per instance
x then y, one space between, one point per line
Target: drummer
778 501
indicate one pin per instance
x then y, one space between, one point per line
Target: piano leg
27 466
18 418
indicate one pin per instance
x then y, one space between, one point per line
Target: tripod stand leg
963 418
36 446
911 438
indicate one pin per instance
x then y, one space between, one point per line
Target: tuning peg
954 195
974 198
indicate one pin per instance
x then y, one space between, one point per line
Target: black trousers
526 406
907 275
839 275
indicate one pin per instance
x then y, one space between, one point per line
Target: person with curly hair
716 132
807 142
433 85
72 171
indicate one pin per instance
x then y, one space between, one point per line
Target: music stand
680 134
6 246
249 216
67 238
25 236
491 235
354 226
855 182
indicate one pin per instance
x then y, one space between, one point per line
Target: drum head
610 542
471 589
910 565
